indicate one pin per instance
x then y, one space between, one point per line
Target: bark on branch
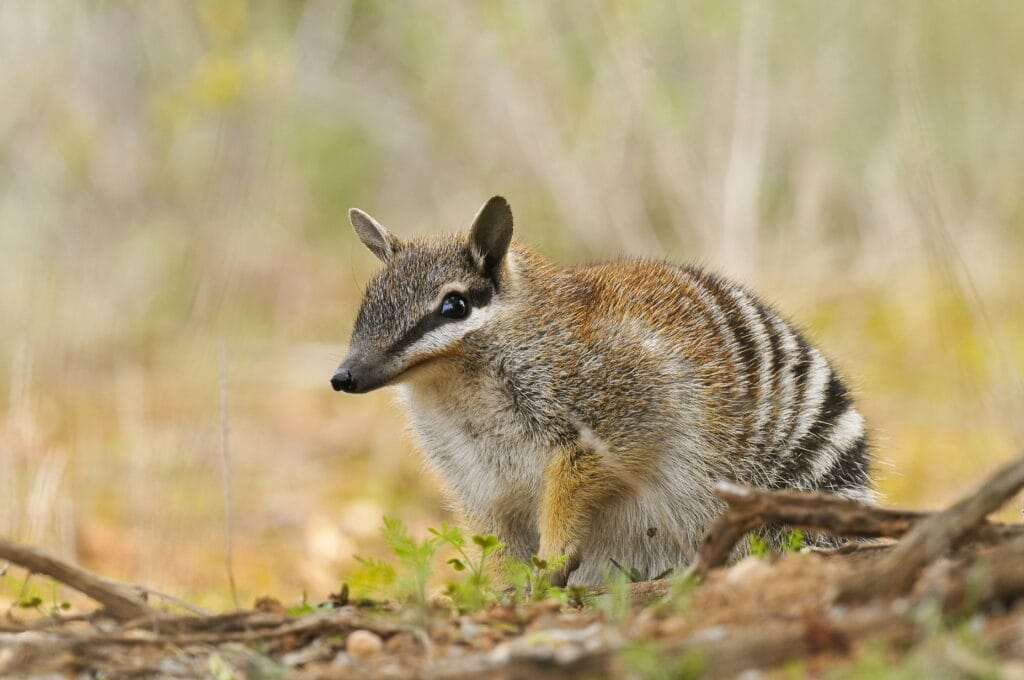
750 508
120 603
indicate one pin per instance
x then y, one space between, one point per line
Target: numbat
588 411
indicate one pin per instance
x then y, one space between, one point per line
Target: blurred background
177 270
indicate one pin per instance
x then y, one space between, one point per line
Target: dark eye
454 306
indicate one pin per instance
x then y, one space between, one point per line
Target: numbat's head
428 296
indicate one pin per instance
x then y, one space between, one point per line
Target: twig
146 591
896 572
122 604
226 464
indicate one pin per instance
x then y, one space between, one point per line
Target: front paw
559 575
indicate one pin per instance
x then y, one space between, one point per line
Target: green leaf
300 609
450 534
539 563
632 573
485 541
488 543
396 535
31 602
577 594
796 541
457 564
758 546
373 577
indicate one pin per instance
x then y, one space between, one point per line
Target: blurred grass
175 175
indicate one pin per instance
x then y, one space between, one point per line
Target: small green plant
31 598
796 540
474 591
634 575
416 565
758 546
531 581
577 595
306 607
408 580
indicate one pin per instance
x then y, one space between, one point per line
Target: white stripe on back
818 374
847 430
756 328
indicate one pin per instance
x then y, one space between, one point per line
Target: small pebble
362 644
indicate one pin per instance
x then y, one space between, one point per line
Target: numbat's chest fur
589 411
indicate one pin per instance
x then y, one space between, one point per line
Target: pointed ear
379 240
490 235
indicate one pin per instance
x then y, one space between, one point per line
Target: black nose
343 381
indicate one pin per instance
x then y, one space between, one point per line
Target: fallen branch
750 508
118 602
896 572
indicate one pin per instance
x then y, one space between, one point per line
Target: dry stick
309 625
146 592
226 463
750 508
172 599
121 604
897 571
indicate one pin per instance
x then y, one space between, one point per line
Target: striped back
802 429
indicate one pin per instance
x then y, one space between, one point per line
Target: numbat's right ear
379 240
490 235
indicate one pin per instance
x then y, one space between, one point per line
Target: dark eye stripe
478 297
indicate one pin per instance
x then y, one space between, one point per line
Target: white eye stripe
448 334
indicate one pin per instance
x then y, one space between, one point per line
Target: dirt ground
934 594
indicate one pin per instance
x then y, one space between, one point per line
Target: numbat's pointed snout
343 381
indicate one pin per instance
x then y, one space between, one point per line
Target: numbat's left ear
490 235
379 240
